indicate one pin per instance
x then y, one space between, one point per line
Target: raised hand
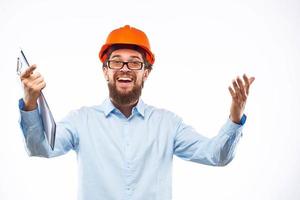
239 92
33 83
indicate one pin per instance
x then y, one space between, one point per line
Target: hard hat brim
104 50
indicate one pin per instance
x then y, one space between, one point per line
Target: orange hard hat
127 35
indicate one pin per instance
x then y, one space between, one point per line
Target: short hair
128 46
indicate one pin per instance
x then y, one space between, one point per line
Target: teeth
124 79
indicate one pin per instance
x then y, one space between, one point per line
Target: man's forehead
119 53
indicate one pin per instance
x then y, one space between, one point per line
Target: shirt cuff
231 127
241 122
243 119
28 117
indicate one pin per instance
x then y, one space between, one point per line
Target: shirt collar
108 107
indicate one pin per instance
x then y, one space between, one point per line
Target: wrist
30 105
235 118
241 120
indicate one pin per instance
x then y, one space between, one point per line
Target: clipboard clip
20 67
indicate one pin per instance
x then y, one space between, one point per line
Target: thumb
28 71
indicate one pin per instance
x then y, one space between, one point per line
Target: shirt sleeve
35 140
217 151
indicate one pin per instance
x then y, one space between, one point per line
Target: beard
128 97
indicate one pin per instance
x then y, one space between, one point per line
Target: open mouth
124 82
124 79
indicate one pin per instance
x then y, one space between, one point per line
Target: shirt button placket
128 173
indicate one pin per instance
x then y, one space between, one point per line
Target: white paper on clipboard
44 110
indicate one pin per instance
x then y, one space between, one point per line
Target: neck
126 109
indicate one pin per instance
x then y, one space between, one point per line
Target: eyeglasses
133 65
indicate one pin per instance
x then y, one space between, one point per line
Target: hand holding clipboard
24 70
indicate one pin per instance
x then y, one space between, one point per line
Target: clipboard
43 108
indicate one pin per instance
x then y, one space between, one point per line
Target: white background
200 46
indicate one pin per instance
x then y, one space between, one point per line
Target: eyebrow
118 56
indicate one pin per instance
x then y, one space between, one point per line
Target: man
124 146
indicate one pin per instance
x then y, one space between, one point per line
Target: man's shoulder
90 109
85 110
154 111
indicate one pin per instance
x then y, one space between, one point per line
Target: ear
105 73
146 74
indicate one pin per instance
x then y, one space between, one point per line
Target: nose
125 68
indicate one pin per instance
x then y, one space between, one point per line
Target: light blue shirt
130 158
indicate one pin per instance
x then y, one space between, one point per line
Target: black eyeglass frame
125 63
